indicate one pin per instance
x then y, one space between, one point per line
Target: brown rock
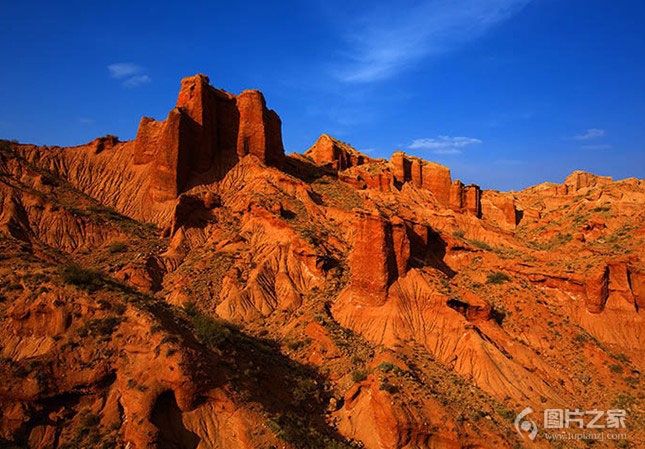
401 167
457 195
637 283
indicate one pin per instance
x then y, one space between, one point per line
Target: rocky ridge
196 287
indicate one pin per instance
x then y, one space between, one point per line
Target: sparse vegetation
459 233
507 414
497 277
616 369
101 327
118 247
360 375
210 331
481 245
84 278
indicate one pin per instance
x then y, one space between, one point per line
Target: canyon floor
199 288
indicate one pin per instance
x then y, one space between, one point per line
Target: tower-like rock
204 136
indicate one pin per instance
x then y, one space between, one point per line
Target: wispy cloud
131 75
136 80
443 144
598 147
393 37
590 134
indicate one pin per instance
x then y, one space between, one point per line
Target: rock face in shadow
167 417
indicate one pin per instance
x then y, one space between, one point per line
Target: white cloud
136 80
443 144
590 134
394 36
131 75
120 70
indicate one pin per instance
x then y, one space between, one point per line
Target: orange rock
336 154
582 180
207 132
373 261
423 174
472 200
260 129
499 207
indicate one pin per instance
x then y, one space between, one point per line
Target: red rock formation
375 175
436 178
465 198
422 323
207 132
373 261
597 289
581 180
457 195
499 207
637 282
401 166
335 154
260 129
472 200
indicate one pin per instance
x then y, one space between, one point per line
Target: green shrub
87 279
459 233
581 338
388 387
118 247
210 331
481 245
360 375
621 357
616 369
623 401
497 278
507 414
386 367
100 326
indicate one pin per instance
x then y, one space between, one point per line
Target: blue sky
507 93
